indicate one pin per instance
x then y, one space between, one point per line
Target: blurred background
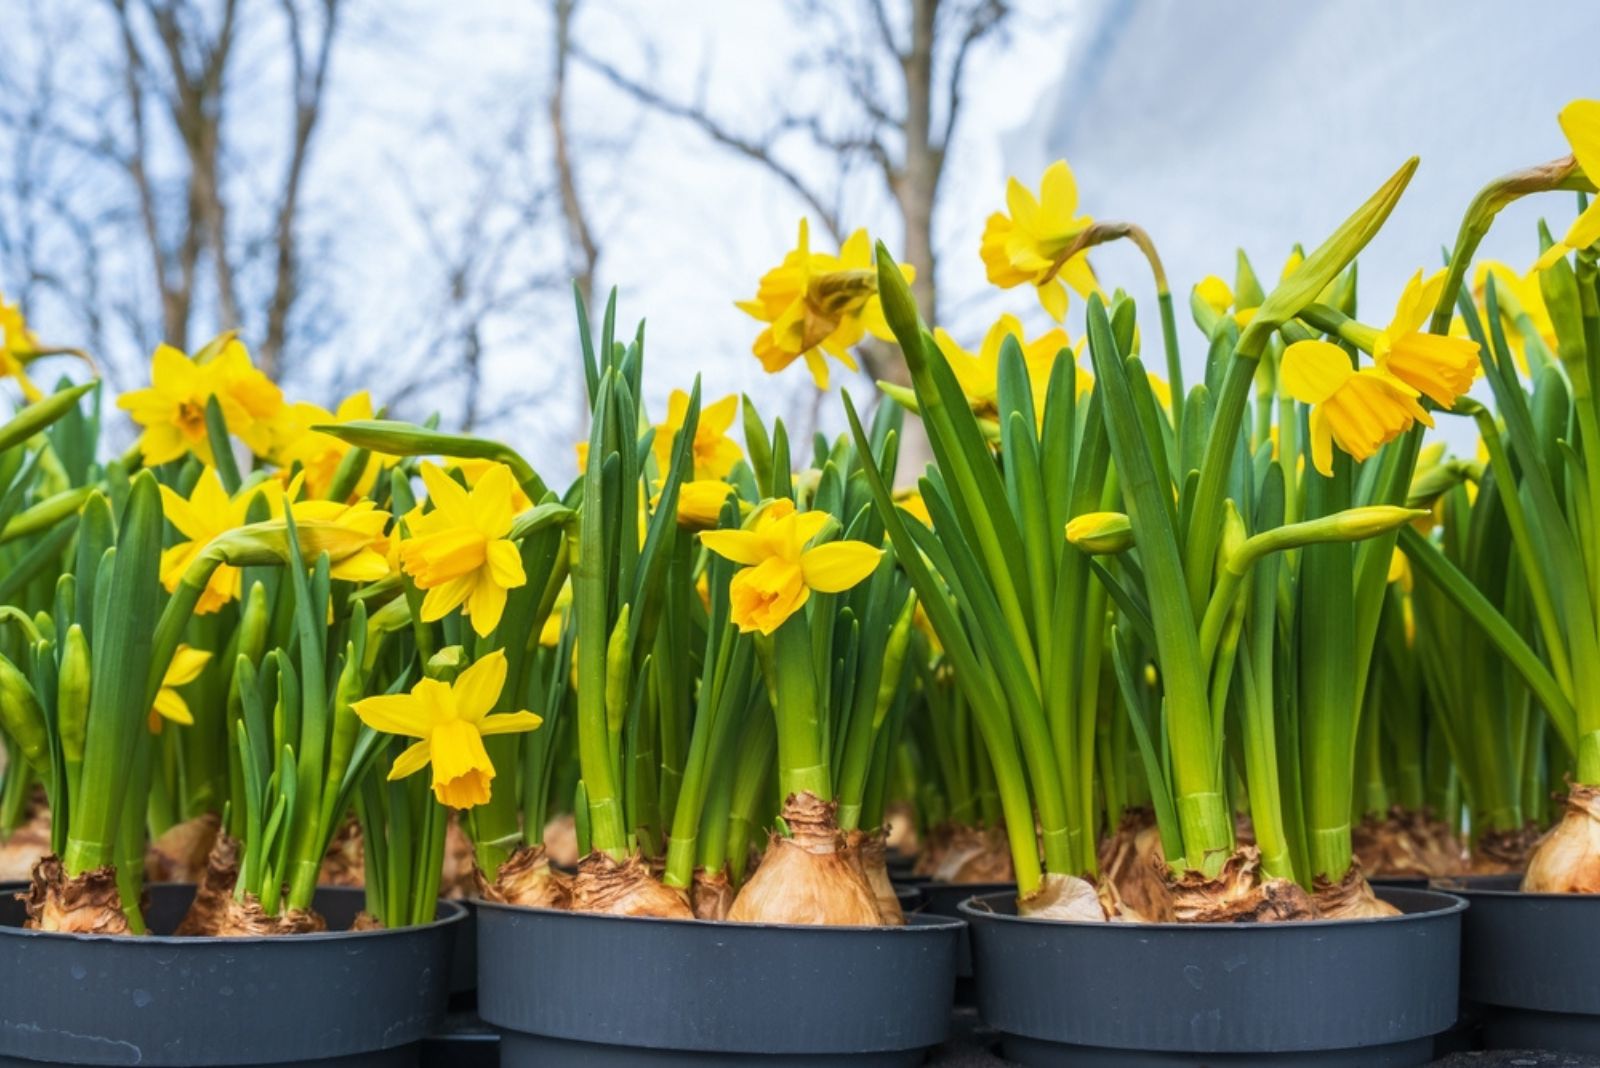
399 195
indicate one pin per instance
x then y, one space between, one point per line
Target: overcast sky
1246 122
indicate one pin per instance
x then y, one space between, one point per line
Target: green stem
802 758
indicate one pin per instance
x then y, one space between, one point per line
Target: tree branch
758 151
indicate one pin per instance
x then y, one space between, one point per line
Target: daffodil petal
186 665
399 713
1313 370
1580 121
171 705
478 688
838 565
485 605
1585 229
509 723
505 564
414 759
446 493
739 546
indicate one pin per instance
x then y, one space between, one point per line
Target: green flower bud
72 694
1306 281
22 717
1100 533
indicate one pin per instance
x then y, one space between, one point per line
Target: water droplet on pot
1194 975
79 971
142 998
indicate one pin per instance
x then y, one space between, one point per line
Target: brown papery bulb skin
1407 844
1237 894
25 846
527 879
1503 852
1567 858
808 877
1351 898
711 895
1131 860
561 840
624 888
248 919
85 904
931 855
211 898
900 820
179 855
1063 897
345 862
871 858
458 876
975 855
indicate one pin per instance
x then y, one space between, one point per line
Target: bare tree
486 251
904 65
172 214
583 252
311 53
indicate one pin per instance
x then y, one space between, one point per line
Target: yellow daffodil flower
715 452
319 455
912 503
186 666
1218 296
172 410
818 304
473 469
1161 389
1361 410
1580 121
17 346
780 571
550 633
1221 299
1517 296
1400 571
459 553
207 512
370 562
1022 243
700 502
1442 368
450 722
979 373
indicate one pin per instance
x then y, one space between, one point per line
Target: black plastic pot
600 991
1323 994
910 897
1530 965
464 956
900 865
1400 882
944 899
347 999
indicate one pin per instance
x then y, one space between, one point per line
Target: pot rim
925 921
452 913
1462 886
1451 903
